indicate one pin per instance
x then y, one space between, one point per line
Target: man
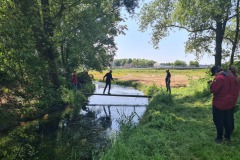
168 81
222 104
108 77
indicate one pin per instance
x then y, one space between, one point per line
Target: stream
81 133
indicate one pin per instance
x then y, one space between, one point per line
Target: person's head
215 70
233 69
110 71
167 70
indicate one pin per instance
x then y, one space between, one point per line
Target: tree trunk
49 51
218 49
236 35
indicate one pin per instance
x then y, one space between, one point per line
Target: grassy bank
177 126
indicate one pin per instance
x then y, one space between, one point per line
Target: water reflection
110 110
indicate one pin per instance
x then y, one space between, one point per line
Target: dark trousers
109 87
168 86
224 121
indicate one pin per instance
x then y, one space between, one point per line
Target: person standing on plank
109 78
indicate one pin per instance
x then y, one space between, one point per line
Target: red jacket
222 88
235 86
74 79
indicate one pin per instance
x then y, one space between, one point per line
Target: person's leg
228 124
74 86
105 88
232 119
169 88
109 88
219 123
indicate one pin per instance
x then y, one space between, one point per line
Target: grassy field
180 78
175 127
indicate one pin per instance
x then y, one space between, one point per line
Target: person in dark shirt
168 80
108 77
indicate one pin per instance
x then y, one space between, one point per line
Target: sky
137 44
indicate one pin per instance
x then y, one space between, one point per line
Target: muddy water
77 133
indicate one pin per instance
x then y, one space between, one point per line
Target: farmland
180 78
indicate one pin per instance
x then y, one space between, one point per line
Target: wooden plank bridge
116 105
120 95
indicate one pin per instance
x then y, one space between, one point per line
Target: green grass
177 127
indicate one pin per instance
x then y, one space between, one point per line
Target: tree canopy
40 39
210 24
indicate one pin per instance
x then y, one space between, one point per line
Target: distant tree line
133 63
143 63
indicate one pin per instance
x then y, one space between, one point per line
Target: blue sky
136 44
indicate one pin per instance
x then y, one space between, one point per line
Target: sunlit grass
178 128
150 72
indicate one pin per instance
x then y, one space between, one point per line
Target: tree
194 63
129 61
206 21
39 37
180 63
117 62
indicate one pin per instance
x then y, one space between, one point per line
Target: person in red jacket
74 80
235 81
223 102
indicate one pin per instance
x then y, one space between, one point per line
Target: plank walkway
117 105
120 95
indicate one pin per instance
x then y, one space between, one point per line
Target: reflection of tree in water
80 138
32 140
83 135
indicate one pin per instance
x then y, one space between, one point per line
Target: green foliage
180 63
79 99
43 41
152 90
67 95
134 62
205 22
194 63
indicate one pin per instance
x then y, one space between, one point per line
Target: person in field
224 89
168 80
109 78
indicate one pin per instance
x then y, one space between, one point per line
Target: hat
215 69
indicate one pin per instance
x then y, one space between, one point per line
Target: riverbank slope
176 126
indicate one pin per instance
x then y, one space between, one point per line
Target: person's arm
215 85
104 77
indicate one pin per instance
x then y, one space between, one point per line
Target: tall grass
177 127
